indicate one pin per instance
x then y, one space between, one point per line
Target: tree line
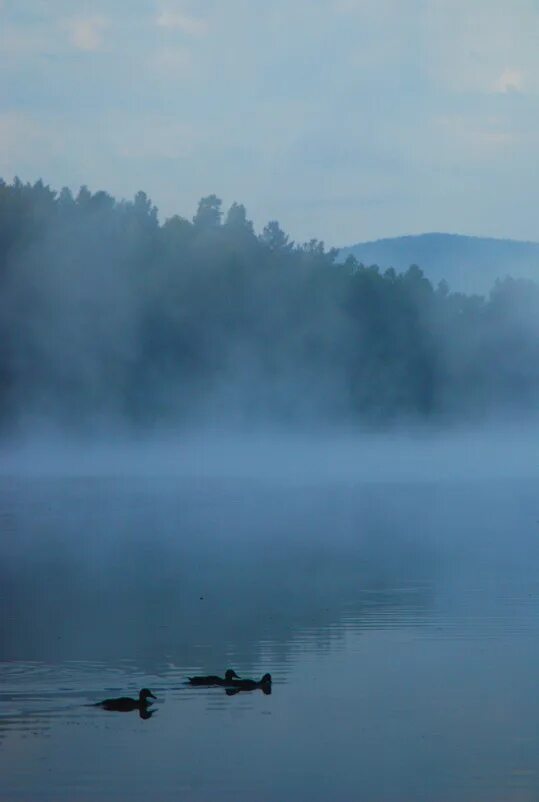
108 315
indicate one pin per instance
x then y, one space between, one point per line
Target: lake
399 621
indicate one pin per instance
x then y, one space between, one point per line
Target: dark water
399 622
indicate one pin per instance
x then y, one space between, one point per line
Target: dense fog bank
282 458
110 319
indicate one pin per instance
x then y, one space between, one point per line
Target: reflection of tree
109 573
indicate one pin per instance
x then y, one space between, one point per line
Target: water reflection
116 572
399 624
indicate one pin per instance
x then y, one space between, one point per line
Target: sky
345 120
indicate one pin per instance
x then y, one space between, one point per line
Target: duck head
144 695
230 674
266 679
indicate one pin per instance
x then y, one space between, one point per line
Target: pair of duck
232 680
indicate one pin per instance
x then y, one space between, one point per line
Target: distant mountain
468 264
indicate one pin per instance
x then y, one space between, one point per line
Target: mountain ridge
468 263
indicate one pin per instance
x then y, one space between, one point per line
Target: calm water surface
399 622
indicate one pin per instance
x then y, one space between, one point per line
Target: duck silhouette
124 704
212 679
251 684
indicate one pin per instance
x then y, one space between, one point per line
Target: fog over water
220 449
389 584
495 450
225 445
224 450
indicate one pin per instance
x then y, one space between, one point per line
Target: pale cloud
376 8
444 88
151 138
470 45
17 43
471 140
173 62
12 125
511 80
26 143
175 19
18 130
86 33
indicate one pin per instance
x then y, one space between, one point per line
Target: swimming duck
124 704
266 689
228 679
251 684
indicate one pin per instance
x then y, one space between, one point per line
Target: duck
252 684
125 704
229 678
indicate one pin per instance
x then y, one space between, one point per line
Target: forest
110 317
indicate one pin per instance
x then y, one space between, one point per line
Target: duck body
252 684
124 704
213 679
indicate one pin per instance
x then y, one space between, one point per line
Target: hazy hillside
469 264
110 319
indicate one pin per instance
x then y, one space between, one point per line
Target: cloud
18 130
173 19
444 87
26 143
511 80
474 47
473 139
150 138
86 33
369 8
173 62
12 124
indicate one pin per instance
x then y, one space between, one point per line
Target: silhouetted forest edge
471 264
108 316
